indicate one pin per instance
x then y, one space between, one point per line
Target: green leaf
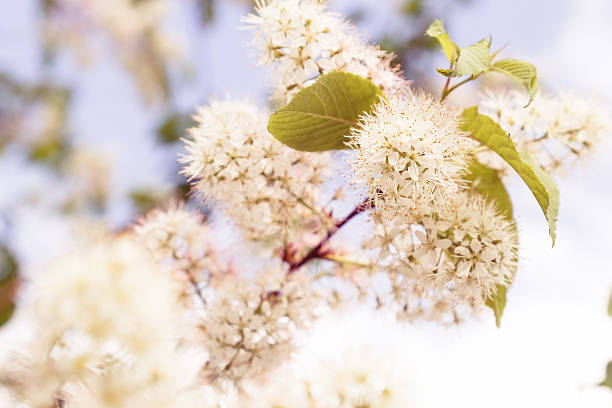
173 127
524 72
474 59
552 193
608 381
437 31
486 181
8 282
498 303
320 117
489 133
610 306
6 313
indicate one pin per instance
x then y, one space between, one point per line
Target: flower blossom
450 258
270 190
106 333
557 130
409 154
302 39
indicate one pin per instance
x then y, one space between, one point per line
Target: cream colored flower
248 328
302 39
270 190
558 130
448 259
409 154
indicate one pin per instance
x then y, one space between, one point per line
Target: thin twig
316 251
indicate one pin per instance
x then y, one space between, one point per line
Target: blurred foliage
173 128
35 116
207 10
8 284
417 15
147 199
144 49
607 382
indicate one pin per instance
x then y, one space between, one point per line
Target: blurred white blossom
558 130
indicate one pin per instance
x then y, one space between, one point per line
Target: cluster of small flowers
453 258
133 27
106 333
268 189
557 130
250 324
302 39
246 323
439 243
181 241
409 153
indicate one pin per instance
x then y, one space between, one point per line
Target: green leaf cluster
476 59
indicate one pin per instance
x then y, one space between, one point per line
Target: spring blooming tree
168 314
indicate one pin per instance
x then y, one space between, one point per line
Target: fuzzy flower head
302 39
557 130
181 241
461 255
249 326
106 332
409 154
266 187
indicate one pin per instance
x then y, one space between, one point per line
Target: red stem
315 252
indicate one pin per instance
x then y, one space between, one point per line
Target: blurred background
95 95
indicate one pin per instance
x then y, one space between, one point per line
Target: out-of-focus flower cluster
133 29
345 363
558 130
105 333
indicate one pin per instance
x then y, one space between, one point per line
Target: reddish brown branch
317 251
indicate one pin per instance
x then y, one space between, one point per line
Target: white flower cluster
106 333
302 39
409 153
451 258
133 29
249 326
180 240
268 189
557 130
438 242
